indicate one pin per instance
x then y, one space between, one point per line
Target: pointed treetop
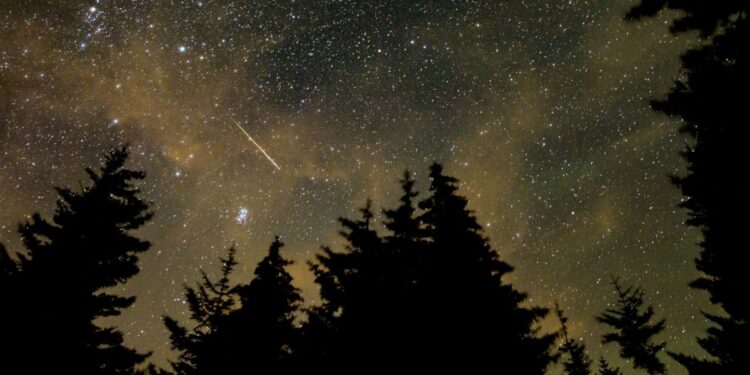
440 181
227 265
576 362
359 233
276 245
633 330
407 185
271 263
402 221
367 214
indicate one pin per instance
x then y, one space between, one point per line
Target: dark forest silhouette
633 329
383 301
711 99
426 295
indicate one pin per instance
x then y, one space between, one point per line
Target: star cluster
539 107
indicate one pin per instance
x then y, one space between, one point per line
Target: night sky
539 107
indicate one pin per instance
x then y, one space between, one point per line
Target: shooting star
257 145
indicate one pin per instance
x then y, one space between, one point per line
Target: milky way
539 107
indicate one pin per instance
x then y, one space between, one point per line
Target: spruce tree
346 328
239 328
633 330
262 333
402 222
575 359
405 268
372 313
711 101
67 272
478 319
202 348
404 247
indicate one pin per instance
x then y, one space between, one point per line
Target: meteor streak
257 145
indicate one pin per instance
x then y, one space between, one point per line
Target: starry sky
539 107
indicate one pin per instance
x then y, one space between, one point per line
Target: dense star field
540 108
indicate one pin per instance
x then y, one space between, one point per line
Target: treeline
425 295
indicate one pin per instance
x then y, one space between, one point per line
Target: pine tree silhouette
712 102
605 369
372 315
575 359
480 322
633 330
402 222
348 327
202 348
427 295
404 269
239 329
66 273
262 332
